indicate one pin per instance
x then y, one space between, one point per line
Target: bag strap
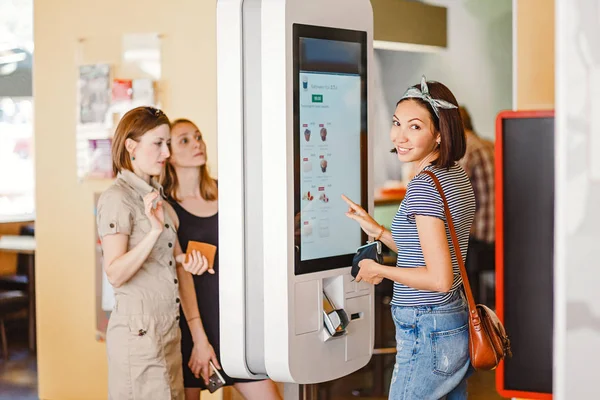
461 264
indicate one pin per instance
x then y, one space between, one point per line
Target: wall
476 66
534 61
577 218
71 364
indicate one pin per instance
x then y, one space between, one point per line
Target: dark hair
450 125
170 183
134 124
466 117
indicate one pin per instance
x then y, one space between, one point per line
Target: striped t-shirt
422 198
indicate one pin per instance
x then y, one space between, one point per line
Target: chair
14 282
20 280
11 302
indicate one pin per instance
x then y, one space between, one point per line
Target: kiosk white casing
272 318
295 350
232 189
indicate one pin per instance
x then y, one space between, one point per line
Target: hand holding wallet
371 251
207 250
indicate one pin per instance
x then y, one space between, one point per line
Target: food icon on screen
323 197
307 166
308 196
307 134
323 165
324 227
323 133
307 229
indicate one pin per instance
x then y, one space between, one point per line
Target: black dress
206 230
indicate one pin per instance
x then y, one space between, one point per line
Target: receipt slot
294 134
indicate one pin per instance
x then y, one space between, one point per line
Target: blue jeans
432 358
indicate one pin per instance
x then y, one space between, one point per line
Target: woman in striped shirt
428 307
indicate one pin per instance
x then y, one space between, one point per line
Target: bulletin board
524 250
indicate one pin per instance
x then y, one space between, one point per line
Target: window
17 182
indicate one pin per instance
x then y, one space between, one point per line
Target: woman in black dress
193 193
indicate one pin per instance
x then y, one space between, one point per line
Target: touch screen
330 141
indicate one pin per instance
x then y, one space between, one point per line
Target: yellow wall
535 54
72 365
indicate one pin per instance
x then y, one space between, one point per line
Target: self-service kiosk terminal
294 134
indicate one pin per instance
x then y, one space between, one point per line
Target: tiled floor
481 386
18 380
18 376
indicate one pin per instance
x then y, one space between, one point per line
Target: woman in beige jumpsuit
143 262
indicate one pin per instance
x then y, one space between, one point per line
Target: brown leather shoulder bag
488 341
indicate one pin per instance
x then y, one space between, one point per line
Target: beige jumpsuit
143 336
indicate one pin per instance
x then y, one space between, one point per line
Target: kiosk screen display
330 144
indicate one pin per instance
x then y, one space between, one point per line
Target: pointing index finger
352 204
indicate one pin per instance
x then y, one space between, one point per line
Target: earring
132 158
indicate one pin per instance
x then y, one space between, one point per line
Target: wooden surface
229 393
17 244
534 55
383 198
8 261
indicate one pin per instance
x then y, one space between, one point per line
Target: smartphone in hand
216 380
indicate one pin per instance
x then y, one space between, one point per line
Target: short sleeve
114 214
422 198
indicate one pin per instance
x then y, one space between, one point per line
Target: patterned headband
154 111
423 94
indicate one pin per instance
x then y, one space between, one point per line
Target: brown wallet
207 250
